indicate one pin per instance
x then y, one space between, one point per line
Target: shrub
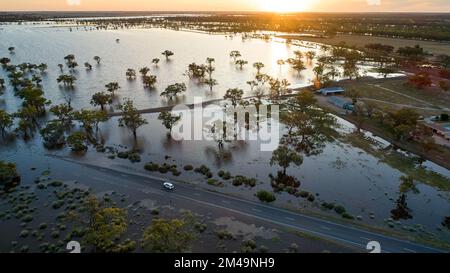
242 180
224 235
339 209
346 215
304 194
311 198
152 167
123 155
265 196
188 168
328 206
202 169
8 173
134 157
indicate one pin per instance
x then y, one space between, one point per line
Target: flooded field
365 180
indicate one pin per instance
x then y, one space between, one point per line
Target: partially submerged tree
234 95
77 142
67 80
167 54
112 87
173 90
131 118
102 99
6 121
131 74
284 157
169 120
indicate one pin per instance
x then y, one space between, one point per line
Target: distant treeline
427 26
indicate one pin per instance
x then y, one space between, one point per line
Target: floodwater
342 173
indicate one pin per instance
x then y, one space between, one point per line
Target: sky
229 5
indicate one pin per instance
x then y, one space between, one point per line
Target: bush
123 155
311 198
346 215
203 170
188 168
339 209
265 196
304 194
214 182
134 157
242 180
328 206
8 173
224 235
152 167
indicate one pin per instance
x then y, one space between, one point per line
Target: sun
286 5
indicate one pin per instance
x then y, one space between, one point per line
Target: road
341 233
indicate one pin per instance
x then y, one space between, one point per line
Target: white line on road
365 238
324 227
290 219
225 202
409 250
257 210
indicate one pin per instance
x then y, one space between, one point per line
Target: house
341 103
331 91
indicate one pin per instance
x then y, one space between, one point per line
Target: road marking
225 202
257 210
290 219
409 250
364 238
324 227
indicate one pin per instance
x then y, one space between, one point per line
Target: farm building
341 103
440 129
331 91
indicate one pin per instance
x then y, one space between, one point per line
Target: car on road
168 185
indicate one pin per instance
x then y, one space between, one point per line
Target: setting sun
286 5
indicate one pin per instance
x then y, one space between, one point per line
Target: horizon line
220 11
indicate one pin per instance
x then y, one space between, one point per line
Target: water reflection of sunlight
278 51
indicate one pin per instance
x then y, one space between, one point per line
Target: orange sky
227 5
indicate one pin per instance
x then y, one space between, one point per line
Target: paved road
344 234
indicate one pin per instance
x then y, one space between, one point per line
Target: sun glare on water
286 5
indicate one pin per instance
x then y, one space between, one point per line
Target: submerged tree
234 95
131 118
149 81
67 80
167 54
64 114
284 157
241 63
102 99
6 121
156 61
258 66
112 87
173 90
77 142
169 120
131 74
97 59
235 54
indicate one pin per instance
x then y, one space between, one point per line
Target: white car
168 186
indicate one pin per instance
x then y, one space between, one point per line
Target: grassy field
360 41
395 94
